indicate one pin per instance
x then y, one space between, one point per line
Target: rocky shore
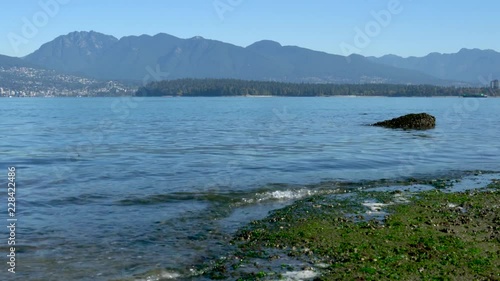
396 234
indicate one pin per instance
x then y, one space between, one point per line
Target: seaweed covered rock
414 121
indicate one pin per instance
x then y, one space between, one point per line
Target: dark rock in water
419 121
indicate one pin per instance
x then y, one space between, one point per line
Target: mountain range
141 58
473 66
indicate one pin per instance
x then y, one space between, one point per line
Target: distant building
494 84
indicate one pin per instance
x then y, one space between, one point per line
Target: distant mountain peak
390 56
265 44
94 40
160 35
477 51
87 34
197 38
85 39
464 50
466 65
73 51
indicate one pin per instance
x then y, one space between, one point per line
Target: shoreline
242 96
385 232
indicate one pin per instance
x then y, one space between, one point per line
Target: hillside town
35 82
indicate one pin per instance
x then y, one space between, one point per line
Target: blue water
115 188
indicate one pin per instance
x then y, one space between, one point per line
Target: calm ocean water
117 188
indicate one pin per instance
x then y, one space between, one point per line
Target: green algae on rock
414 121
431 235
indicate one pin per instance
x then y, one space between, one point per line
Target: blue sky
402 27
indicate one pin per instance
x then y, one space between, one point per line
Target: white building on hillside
494 84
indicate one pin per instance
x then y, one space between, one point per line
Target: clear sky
368 27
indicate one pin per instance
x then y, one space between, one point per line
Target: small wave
163 275
179 196
287 192
230 198
280 195
300 275
284 195
83 199
45 161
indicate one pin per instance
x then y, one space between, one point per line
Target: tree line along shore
234 87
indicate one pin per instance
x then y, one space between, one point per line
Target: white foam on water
377 208
455 206
300 275
322 265
162 276
287 194
374 206
280 195
399 198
